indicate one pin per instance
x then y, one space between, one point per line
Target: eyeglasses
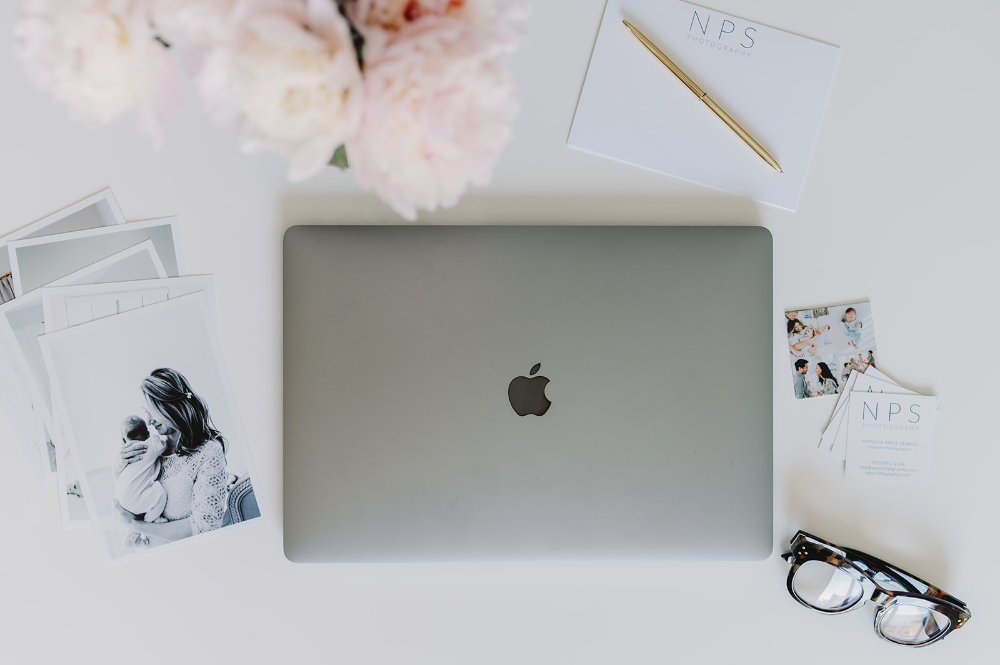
832 579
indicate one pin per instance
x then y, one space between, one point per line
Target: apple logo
528 395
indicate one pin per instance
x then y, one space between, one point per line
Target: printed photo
150 419
101 209
825 344
37 262
67 306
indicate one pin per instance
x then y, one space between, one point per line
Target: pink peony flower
499 23
438 104
100 58
285 78
191 26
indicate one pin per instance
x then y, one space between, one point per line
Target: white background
902 185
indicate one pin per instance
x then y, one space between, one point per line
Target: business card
891 436
865 383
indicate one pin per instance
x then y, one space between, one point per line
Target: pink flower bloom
285 78
499 23
191 26
99 57
438 104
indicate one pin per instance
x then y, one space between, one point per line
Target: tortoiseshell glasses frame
882 583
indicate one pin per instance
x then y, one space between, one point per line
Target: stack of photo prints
114 381
880 429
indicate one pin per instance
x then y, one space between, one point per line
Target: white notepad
773 83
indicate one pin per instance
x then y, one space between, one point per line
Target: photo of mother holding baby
170 476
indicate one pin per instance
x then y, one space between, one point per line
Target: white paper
891 437
773 83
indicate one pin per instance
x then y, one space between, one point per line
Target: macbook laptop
527 393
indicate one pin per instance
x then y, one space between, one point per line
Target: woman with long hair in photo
192 469
828 383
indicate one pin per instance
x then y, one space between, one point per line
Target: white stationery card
772 83
864 385
891 436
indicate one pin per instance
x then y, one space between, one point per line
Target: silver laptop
513 393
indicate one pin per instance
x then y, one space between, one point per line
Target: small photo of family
826 344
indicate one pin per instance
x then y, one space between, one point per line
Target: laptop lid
640 356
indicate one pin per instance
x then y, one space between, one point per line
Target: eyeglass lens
825 587
912 624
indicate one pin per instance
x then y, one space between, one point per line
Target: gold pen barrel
742 133
703 96
667 62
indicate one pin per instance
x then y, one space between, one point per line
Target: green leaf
340 158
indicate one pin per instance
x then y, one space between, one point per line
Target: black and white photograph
67 306
37 262
152 423
95 211
826 344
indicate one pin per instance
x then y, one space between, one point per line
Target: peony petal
309 159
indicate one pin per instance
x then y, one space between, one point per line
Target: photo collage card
827 344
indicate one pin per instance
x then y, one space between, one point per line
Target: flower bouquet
411 94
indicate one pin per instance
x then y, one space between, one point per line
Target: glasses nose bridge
879 597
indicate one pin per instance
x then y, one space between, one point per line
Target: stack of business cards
97 329
881 430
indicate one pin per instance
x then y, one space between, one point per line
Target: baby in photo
804 338
853 327
137 488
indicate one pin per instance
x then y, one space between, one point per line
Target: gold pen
703 96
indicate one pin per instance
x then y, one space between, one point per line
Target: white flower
100 58
439 105
191 26
286 78
191 22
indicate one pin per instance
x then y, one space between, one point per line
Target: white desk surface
899 206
